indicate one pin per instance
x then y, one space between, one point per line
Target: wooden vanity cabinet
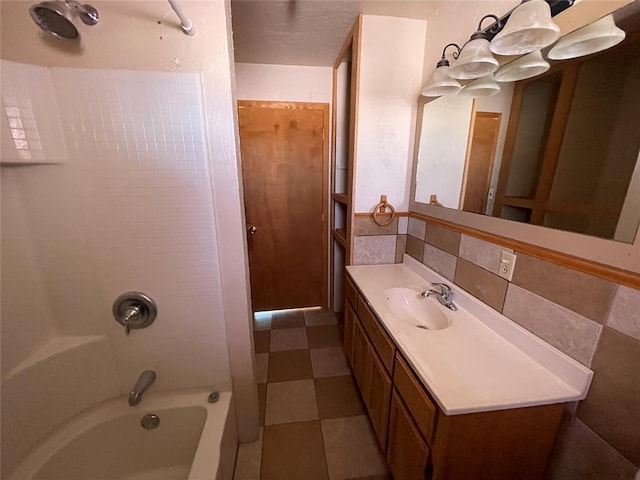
420 441
407 452
374 383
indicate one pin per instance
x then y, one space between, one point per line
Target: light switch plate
507 265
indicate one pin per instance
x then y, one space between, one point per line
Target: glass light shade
526 66
440 83
598 36
528 28
475 61
482 87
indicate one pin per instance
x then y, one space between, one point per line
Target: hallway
313 421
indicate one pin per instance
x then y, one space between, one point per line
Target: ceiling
307 32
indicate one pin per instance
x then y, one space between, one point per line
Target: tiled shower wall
125 203
590 319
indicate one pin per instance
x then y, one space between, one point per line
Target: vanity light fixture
440 82
529 28
481 87
524 67
598 36
475 59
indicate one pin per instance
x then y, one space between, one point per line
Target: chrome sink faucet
444 295
144 382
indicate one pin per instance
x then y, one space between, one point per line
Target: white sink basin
409 306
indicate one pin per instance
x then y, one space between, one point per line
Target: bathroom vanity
472 397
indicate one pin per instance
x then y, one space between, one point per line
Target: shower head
56 17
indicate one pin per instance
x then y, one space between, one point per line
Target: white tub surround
195 440
483 361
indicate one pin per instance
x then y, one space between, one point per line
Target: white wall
151 176
390 82
287 83
443 149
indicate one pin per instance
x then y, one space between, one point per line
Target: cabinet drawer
379 338
351 292
415 397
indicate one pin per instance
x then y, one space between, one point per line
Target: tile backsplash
374 244
590 319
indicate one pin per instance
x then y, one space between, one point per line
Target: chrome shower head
56 17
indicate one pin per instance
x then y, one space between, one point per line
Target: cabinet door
379 397
407 452
349 332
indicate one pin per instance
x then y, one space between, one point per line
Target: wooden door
407 452
484 139
284 148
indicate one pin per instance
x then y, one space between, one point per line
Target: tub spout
144 382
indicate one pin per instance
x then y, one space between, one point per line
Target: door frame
324 107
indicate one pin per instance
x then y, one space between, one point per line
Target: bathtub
195 440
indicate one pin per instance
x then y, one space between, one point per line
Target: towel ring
381 209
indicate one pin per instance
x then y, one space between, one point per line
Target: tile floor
313 421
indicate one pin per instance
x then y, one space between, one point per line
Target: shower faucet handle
131 314
134 310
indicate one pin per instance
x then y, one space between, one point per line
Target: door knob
252 230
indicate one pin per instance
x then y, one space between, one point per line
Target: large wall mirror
561 150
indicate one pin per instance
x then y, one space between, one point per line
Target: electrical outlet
507 265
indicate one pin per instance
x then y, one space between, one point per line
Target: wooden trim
283 105
356 54
326 134
347 44
340 198
518 202
370 214
613 274
339 235
324 107
557 131
332 213
507 150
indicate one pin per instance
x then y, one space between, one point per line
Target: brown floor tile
289 365
262 341
262 367
288 339
338 397
352 448
262 320
324 336
329 362
293 451
319 316
287 319
289 402
262 401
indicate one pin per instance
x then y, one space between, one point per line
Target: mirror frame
609 259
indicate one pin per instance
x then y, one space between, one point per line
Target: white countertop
483 361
